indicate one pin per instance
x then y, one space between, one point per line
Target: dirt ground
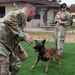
69 37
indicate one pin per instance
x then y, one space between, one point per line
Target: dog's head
39 45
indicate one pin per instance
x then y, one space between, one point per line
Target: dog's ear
43 42
36 41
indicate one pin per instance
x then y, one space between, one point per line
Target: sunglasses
63 7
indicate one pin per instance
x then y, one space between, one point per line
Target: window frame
37 16
2 11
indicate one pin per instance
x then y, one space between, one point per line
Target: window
73 16
2 12
45 16
37 16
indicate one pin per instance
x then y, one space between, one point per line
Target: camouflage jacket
65 17
13 27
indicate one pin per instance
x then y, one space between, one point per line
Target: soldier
12 28
63 21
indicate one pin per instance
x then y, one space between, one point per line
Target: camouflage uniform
60 30
11 33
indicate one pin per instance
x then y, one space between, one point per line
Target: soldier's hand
59 21
28 39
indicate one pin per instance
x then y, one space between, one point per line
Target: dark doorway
45 16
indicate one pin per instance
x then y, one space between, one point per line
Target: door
45 16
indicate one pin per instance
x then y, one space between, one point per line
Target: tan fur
49 53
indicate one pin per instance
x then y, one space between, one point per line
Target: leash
49 38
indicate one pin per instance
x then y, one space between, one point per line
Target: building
46 10
72 11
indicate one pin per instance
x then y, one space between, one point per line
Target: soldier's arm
57 17
68 21
21 29
15 23
21 21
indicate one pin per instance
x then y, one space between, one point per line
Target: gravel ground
69 37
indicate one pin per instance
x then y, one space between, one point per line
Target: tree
58 1
72 4
55 1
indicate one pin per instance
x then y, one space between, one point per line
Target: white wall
34 22
50 14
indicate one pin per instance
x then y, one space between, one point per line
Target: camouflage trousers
59 38
14 64
4 65
9 65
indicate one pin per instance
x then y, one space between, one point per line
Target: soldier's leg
14 64
4 65
61 39
55 37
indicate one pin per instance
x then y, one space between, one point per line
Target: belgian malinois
45 54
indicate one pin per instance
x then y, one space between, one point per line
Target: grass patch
67 67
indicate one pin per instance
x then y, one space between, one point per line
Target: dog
45 54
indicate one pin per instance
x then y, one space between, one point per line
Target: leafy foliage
72 4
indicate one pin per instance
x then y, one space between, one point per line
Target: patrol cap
64 5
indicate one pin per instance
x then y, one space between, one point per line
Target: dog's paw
32 67
60 63
46 71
